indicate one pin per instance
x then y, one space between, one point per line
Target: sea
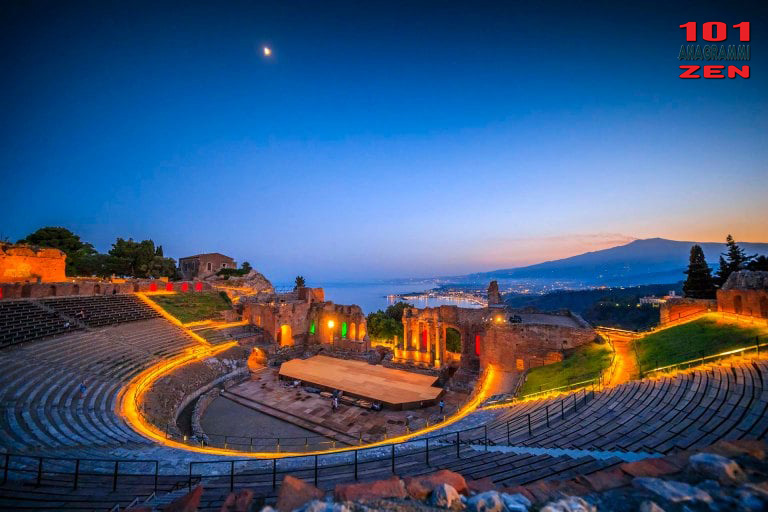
372 297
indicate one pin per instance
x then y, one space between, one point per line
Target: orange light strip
175 321
135 390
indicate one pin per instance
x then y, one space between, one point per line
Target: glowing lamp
331 324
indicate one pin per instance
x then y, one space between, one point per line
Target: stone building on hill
202 265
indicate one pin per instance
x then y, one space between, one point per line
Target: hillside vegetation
609 307
702 337
582 363
193 307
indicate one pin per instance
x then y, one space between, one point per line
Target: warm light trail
132 395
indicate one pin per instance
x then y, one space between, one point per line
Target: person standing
442 406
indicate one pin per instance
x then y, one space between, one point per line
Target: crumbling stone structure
23 263
201 265
683 309
745 293
304 317
508 339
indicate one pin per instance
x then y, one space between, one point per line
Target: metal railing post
189 482
315 470
530 432
393 458
546 409
562 409
5 469
39 471
274 473
156 472
508 438
575 403
77 474
114 478
485 436
458 443
231 476
355 464
427 451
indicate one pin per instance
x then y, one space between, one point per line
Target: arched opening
737 306
343 330
478 342
97 289
361 331
453 340
352 331
423 341
52 291
76 289
764 307
286 337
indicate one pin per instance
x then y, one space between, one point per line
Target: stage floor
372 382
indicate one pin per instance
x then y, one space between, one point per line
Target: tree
759 263
732 260
140 259
300 283
246 267
699 284
66 241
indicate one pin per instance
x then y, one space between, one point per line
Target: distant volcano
648 261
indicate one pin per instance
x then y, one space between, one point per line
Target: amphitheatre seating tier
102 310
680 412
45 413
44 408
24 320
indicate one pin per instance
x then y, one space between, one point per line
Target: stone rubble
727 476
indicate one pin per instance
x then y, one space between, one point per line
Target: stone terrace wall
674 310
19 263
171 393
517 347
80 286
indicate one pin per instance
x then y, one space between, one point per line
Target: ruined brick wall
82 286
517 347
674 310
745 293
19 263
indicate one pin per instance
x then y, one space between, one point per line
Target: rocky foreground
727 476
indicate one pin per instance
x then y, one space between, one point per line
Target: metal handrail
693 361
478 436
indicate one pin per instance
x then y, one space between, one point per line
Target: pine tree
732 260
699 284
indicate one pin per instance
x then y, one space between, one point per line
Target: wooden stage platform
394 388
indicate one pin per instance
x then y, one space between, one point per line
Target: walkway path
625 363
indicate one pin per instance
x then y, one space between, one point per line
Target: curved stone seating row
100 310
44 406
725 401
23 320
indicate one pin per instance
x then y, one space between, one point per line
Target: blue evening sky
380 139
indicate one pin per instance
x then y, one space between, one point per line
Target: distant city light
267 51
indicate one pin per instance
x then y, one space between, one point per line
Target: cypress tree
699 284
732 260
